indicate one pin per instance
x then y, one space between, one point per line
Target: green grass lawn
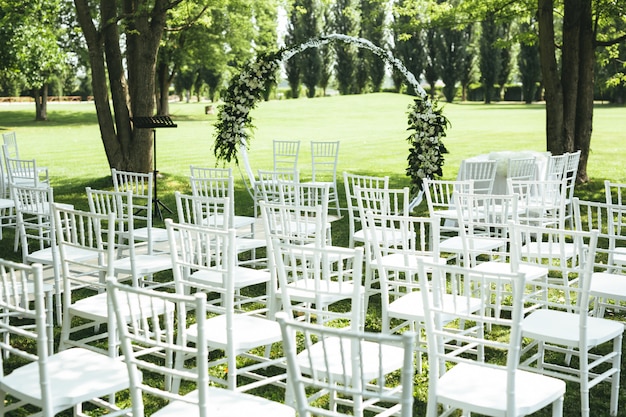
371 128
372 131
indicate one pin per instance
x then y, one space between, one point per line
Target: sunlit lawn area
372 131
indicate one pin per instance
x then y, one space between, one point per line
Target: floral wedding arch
234 123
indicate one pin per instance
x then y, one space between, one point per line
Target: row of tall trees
560 45
452 42
133 51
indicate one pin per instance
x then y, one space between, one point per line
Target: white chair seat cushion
531 272
320 357
144 264
328 291
604 284
226 403
560 327
157 234
390 236
549 250
42 209
243 221
6 203
250 332
245 244
44 256
619 256
399 261
95 307
76 375
455 244
411 306
485 389
244 277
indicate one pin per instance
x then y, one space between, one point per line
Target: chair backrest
10 140
20 285
359 380
210 255
107 202
522 168
570 174
324 159
278 186
401 234
445 290
212 186
215 188
35 220
86 248
154 341
571 164
350 181
609 221
312 194
311 278
393 246
569 256
484 223
10 151
482 172
303 225
440 193
556 167
139 183
26 172
541 202
286 155
203 211
382 201
141 186
206 172
615 193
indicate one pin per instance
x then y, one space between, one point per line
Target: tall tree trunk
142 45
551 79
123 135
570 70
162 92
41 103
586 79
126 148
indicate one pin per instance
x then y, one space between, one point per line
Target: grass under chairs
372 132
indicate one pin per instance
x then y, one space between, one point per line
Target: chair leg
615 379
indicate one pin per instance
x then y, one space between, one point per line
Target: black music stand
154 122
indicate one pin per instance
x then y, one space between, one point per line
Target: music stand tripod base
154 122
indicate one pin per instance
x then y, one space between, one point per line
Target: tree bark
551 79
584 107
126 148
570 70
164 79
41 103
569 99
95 48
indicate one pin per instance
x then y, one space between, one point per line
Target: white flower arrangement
245 91
428 126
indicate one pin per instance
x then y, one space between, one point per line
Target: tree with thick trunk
130 75
569 88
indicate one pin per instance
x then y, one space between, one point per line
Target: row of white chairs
494 235
188 242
